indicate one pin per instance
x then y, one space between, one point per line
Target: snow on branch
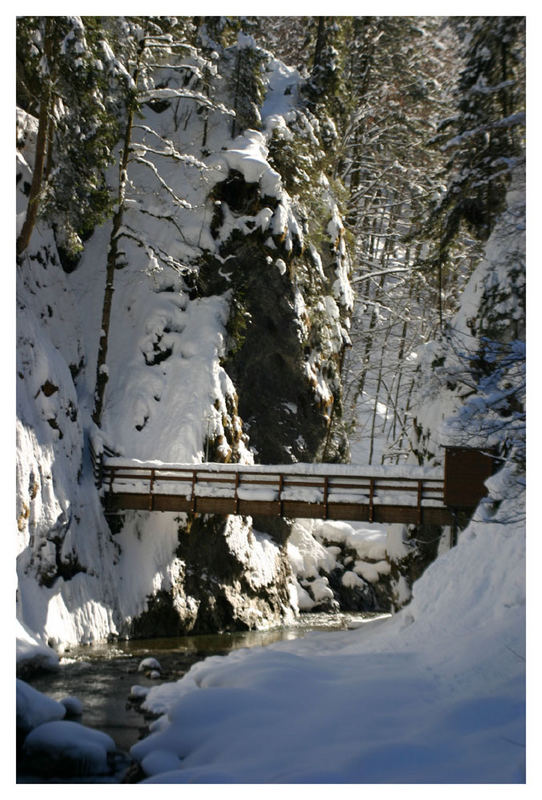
480 87
144 162
154 252
115 65
507 122
492 412
378 273
156 42
169 151
168 93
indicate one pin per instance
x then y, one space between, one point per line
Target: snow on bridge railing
406 493
99 450
285 490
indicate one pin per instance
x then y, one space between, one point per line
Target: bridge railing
208 488
98 453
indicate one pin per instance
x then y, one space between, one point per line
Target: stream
101 676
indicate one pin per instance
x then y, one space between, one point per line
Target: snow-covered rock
139 692
67 749
35 708
73 706
30 654
365 567
149 663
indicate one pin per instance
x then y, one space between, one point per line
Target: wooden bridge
404 494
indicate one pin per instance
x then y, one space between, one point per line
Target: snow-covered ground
434 695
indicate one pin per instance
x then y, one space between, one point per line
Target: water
101 676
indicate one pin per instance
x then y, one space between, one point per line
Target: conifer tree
76 127
44 120
484 140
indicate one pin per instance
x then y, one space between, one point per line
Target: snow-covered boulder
30 654
138 692
35 708
354 567
149 664
67 749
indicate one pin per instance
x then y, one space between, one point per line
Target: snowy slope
436 694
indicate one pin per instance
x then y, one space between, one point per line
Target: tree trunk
101 370
405 421
102 376
50 140
236 94
379 226
320 42
377 394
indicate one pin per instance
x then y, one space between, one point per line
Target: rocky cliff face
236 358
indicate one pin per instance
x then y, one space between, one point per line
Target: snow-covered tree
61 66
482 200
484 140
485 364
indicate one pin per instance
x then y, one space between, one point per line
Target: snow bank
30 653
436 694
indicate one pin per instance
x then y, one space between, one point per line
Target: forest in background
421 126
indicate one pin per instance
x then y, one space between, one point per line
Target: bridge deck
321 491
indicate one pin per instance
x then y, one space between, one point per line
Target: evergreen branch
508 122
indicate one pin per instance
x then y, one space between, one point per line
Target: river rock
150 664
67 749
138 692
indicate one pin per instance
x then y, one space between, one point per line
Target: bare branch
144 162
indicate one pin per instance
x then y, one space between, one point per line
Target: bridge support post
111 479
193 498
236 496
453 530
97 460
371 499
151 489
